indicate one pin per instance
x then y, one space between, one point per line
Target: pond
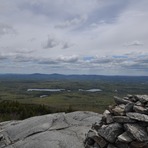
50 90
59 90
91 90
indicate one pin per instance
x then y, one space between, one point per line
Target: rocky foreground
49 131
124 125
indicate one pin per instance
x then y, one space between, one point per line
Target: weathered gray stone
110 132
36 125
109 119
110 107
118 111
94 139
134 99
100 141
106 112
55 131
138 132
129 96
107 116
138 116
126 98
91 133
142 98
123 119
140 109
124 137
97 126
122 106
138 103
53 139
129 107
120 100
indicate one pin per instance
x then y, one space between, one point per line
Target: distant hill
38 76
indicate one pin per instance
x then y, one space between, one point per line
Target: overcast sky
106 37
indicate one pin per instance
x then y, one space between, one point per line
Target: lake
59 90
50 90
91 90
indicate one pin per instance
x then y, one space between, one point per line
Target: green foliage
17 103
15 110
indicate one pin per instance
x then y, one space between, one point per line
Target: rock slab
49 131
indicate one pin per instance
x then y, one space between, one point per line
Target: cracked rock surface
48 131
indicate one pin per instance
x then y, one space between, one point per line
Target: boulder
118 111
120 100
124 137
110 132
140 109
137 116
142 98
123 119
129 107
138 132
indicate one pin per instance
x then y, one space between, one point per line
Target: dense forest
13 110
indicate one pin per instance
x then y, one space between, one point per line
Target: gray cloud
51 42
102 60
72 22
135 43
48 61
2 57
66 45
72 63
24 51
68 59
21 58
97 28
136 66
6 29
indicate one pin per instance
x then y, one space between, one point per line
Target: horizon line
73 74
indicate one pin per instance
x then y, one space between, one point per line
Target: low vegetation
18 103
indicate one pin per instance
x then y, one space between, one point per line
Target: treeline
13 110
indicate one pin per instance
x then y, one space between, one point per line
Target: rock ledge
49 131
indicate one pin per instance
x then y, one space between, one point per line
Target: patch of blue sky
88 58
120 56
143 56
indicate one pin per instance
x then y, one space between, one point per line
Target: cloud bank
73 36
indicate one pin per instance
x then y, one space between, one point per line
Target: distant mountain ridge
55 76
